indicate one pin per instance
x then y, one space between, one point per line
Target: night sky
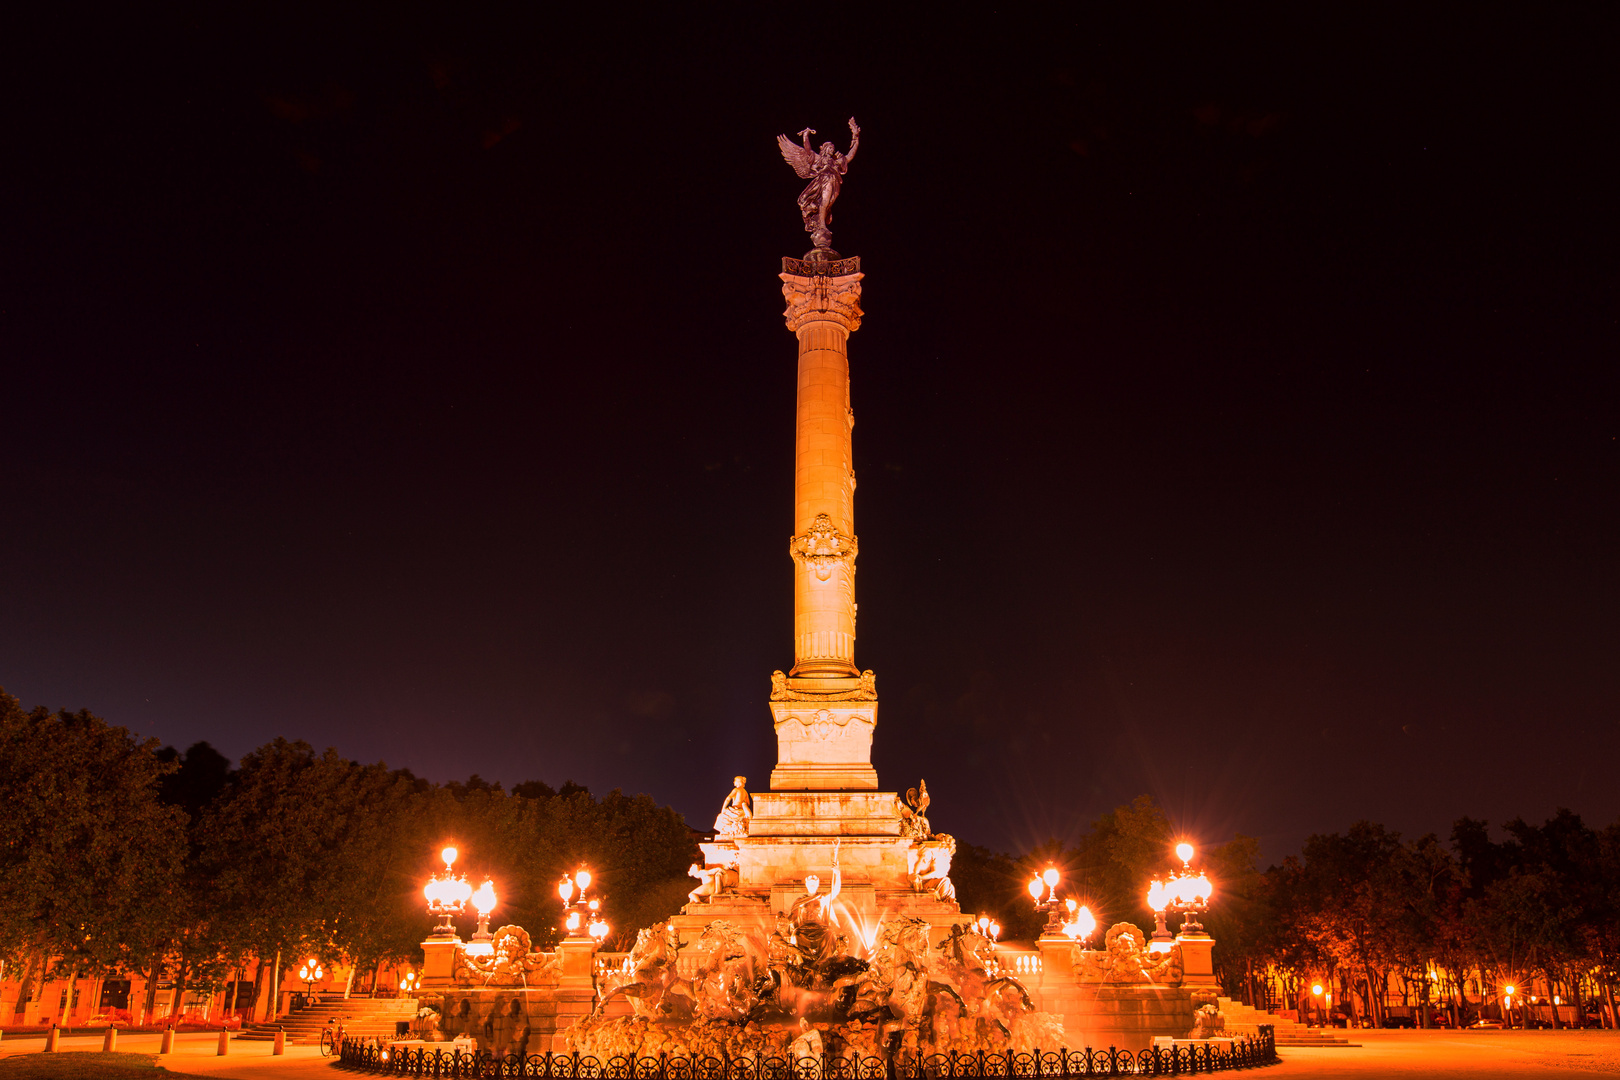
1236 401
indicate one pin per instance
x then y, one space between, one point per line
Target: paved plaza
1433 1055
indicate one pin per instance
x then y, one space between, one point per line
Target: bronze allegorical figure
825 170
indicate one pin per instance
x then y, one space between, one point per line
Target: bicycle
332 1037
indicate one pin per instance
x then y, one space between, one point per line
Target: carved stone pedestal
438 961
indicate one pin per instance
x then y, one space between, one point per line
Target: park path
198 1055
1464 1055
1417 1055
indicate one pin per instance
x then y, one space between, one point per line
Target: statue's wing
797 156
911 797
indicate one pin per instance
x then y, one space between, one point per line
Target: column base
829 777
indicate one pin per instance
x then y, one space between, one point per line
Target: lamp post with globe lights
1043 890
1158 898
484 901
310 974
582 915
1081 922
1185 894
447 895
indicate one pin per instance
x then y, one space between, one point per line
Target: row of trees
121 855
1365 909
1369 910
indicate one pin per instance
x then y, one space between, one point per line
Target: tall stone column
825 708
823 310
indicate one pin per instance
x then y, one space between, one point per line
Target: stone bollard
109 1041
50 1040
224 1043
168 1041
281 1041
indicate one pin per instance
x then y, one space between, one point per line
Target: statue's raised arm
824 168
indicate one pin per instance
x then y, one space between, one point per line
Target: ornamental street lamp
447 895
1158 898
1081 922
484 900
310 974
1046 882
409 982
581 916
989 928
1184 894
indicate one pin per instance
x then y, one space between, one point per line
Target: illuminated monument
823 899
824 809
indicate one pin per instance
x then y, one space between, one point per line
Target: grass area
84 1065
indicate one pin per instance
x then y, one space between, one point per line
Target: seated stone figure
735 812
713 881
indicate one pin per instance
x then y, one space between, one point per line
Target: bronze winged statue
825 169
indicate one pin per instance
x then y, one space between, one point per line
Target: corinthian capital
822 298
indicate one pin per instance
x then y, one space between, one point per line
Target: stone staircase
1245 1020
363 1018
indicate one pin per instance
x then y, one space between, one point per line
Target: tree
89 849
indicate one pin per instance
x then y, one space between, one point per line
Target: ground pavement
197 1055
1420 1055
1456 1055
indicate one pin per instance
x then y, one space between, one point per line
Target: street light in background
310 974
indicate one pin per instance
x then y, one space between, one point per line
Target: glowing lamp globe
573 922
449 856
1035 887
460 890
484 898
583 879
1050 876
1085 921
995 930
1205 889
1071 903
1184 852
1316 988
565 889
1158 897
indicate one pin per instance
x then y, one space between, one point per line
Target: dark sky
1236 400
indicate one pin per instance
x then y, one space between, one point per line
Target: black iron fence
1189 1057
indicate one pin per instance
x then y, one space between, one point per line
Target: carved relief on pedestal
1125 958
822 547
822 298
835 732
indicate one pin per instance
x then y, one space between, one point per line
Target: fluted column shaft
823 310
